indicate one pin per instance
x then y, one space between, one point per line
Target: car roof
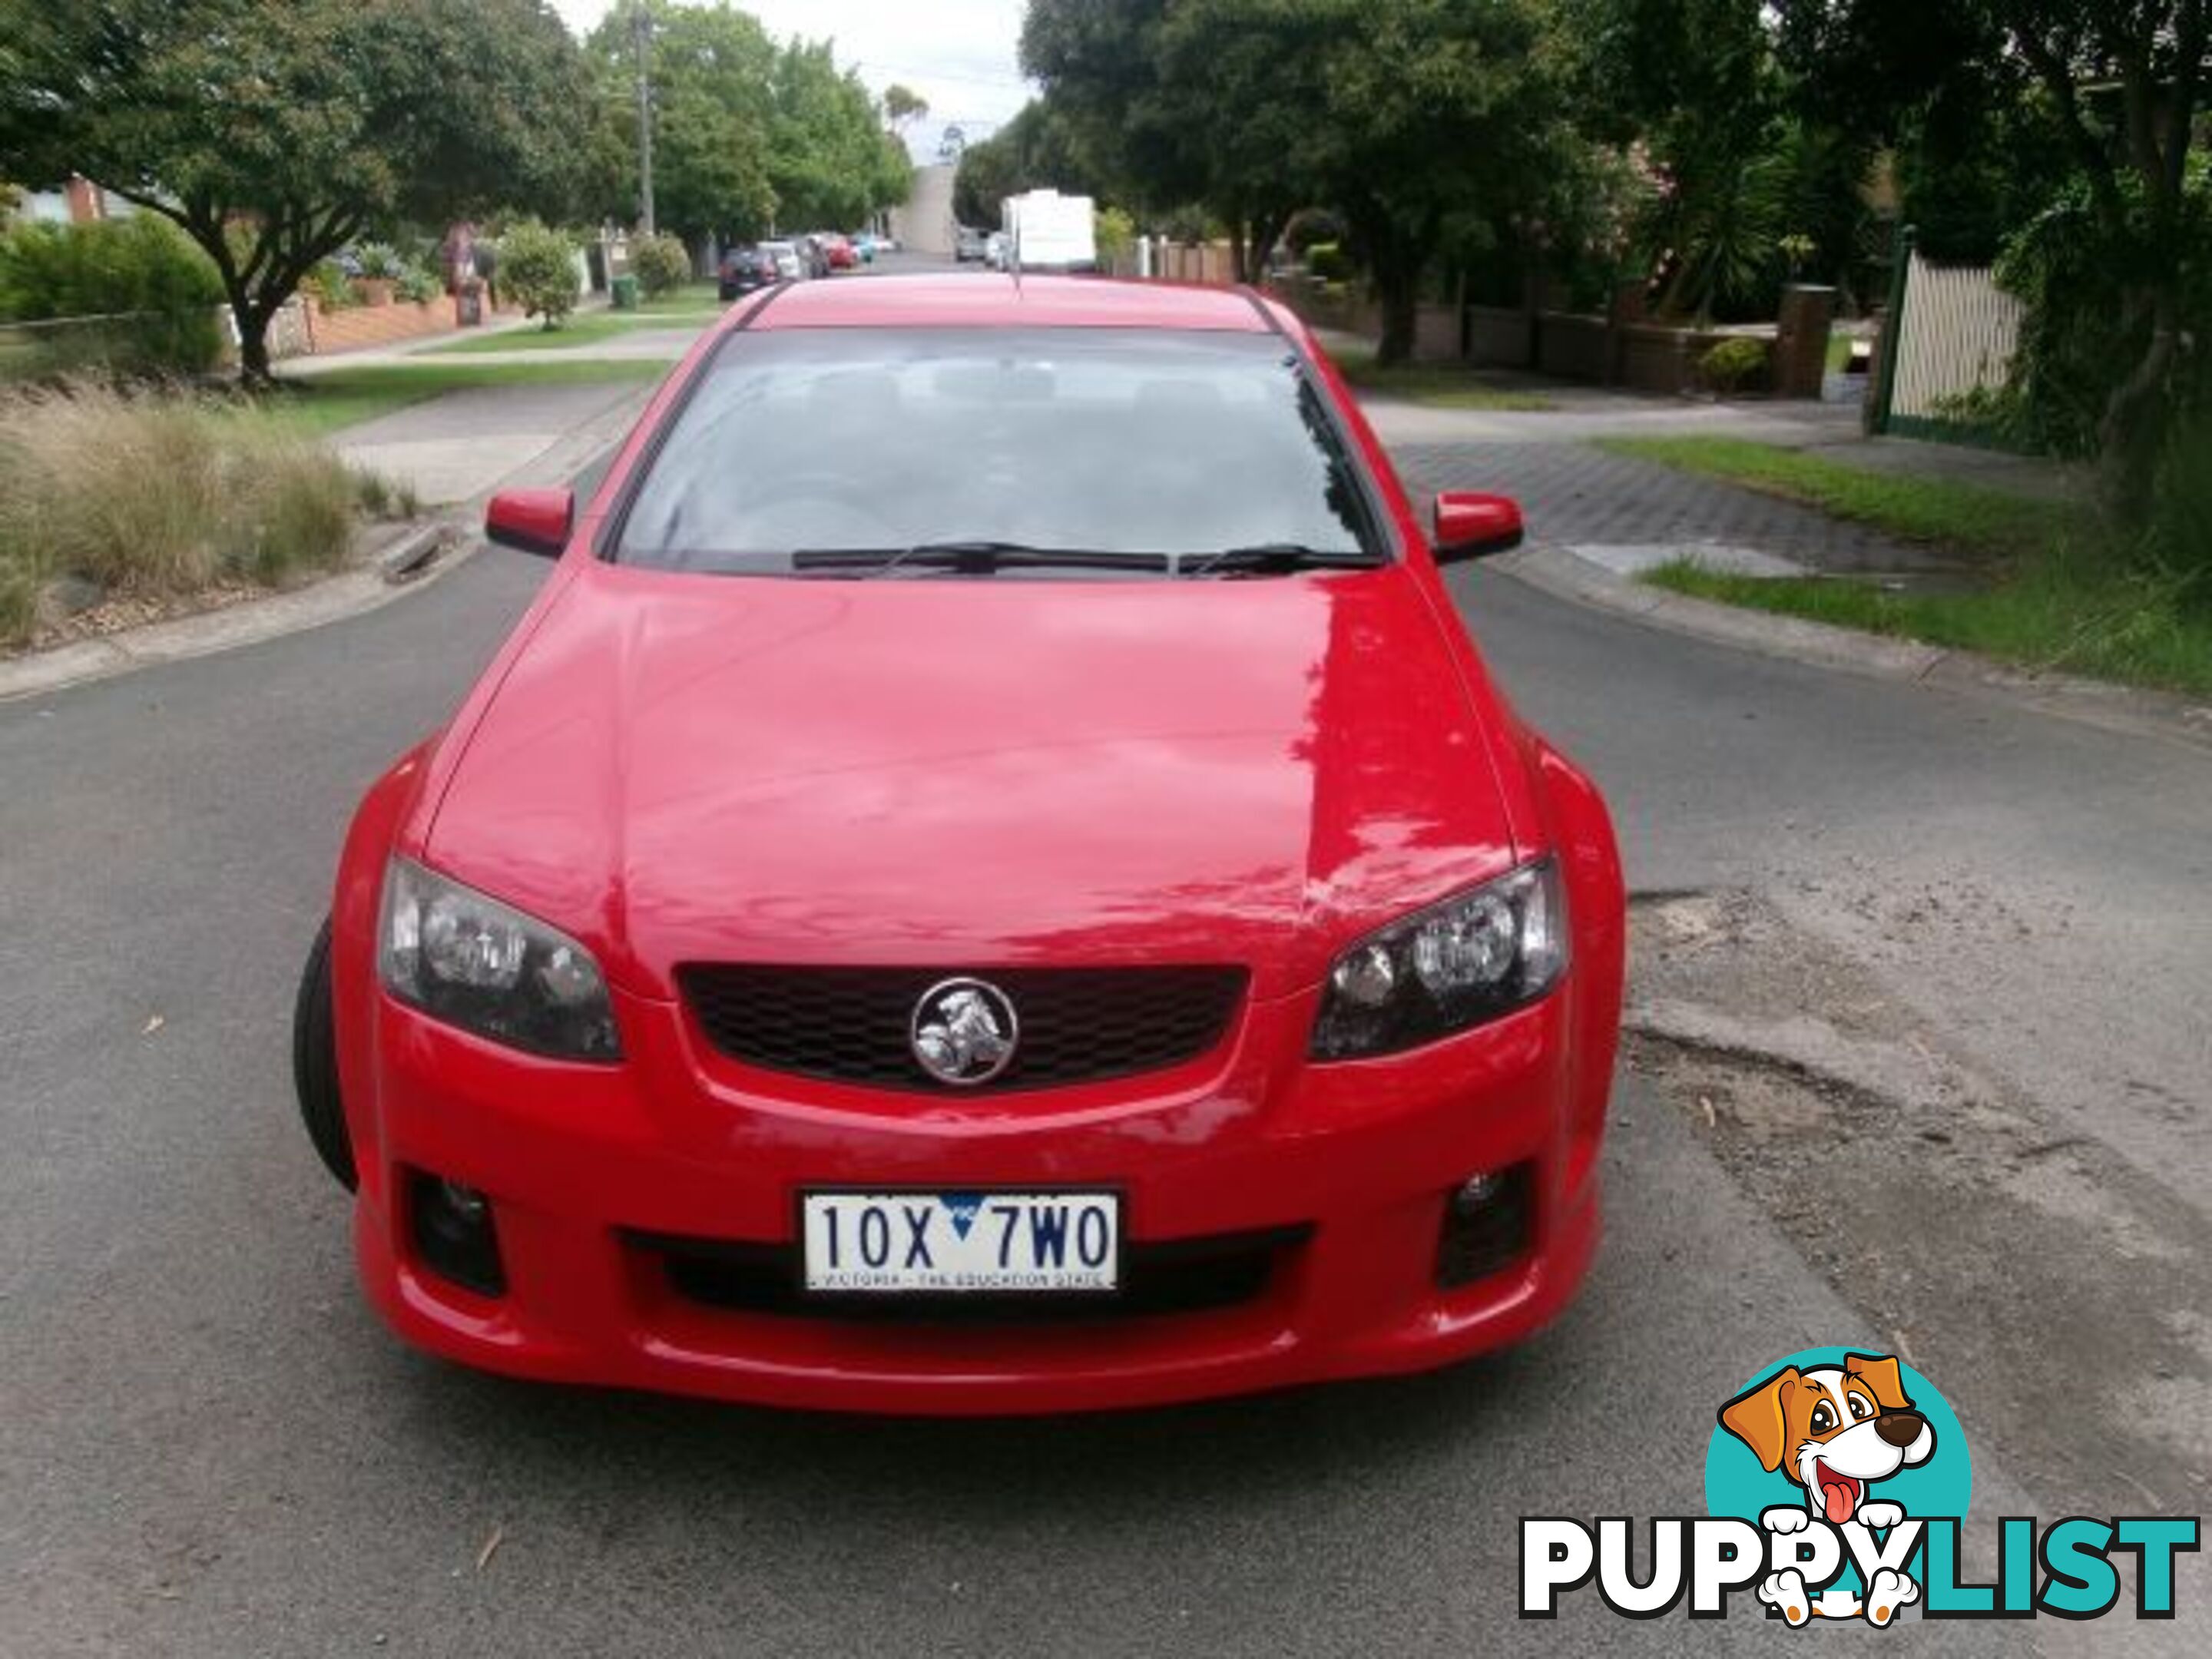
948 301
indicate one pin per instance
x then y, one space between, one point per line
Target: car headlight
485 967
1472 957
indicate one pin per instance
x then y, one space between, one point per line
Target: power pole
641 29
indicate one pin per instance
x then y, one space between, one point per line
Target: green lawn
319 403
703 298
1932 510
2075 614
1436 385
2062 595
599 326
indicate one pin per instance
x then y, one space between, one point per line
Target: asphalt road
207 1445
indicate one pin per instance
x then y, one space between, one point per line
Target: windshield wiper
1271 559
969 558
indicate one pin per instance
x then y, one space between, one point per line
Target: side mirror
536 520
1470 524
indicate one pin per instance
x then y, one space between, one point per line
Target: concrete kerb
418 558
1555 571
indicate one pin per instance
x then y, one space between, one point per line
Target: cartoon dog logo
1837 1429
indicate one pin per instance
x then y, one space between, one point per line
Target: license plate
963 1242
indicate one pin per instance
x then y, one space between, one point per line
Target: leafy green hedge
663 264
148 298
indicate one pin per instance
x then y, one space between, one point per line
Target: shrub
158 495
1330 263
1310 225
1739 364
140 264
379 262
154 293
663 264
420 285
331 286
538 266
1114 233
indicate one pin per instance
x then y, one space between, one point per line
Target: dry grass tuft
157 493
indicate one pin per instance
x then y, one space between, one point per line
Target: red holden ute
1020 896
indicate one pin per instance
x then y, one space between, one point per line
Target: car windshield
1101 442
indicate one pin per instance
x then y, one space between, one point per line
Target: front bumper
1348 1168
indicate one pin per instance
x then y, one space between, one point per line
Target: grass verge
704 298
2064 595
2071 614
1437 386
1935 511
155 495
577 331
312 405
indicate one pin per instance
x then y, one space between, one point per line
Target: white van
1047 231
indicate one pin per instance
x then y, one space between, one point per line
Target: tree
831 162
1408 116
713 78
2119 84
1254 169
274 132
1033 151
1112 95
1699 81
903 107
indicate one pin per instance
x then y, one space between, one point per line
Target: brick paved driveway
1577 495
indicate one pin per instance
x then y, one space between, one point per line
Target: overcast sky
959 54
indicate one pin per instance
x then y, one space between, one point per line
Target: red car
1033 904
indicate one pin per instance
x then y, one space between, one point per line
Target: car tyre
315 1063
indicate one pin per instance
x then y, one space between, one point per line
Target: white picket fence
1957 336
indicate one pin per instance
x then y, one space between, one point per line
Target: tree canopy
1033 151
747 132
274 135
903 106
2083 117
1253 108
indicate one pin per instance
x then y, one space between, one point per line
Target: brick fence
355 327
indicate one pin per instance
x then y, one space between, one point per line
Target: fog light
454 1235
466 1202
1488 1226
1476 1193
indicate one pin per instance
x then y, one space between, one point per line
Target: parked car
789 265
838 251
968 244
745 270
998 250
1027 901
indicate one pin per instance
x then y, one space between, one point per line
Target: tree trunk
1266 230
2132 435
1397 285
252 342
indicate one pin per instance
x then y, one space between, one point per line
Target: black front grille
1171 1276
851 1025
